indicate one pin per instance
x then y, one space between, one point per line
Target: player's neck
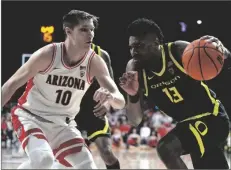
155 63
72 53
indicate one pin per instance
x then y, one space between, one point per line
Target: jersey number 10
63 97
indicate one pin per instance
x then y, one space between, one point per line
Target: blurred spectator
153 140
4 131
133 138
145 132
117 140
9 129
113 121
124 129
158 118
161 131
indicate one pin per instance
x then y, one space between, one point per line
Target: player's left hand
102 95
212 39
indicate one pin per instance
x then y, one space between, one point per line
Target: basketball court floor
133 158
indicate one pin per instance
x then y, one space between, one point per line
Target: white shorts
63 140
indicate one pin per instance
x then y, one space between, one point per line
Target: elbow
123 103
9 85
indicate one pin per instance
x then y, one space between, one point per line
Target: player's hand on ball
212 39
129 82
102 95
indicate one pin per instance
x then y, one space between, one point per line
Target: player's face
83 34
143 48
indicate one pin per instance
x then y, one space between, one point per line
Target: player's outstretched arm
130 84
108 92
39 61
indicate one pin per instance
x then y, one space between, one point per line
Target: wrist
107 106
227 54
134 98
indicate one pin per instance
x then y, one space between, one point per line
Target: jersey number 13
173 94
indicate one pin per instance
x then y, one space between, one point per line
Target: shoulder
181 44
41 59
178 47
105 56
97 61
131 65
45 53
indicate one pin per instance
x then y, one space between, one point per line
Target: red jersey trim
23 98
88 68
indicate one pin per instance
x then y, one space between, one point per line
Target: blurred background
27 26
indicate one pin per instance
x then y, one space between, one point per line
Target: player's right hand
100 110
129 82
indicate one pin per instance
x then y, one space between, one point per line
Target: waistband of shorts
67 120
39 118
215 112
197 117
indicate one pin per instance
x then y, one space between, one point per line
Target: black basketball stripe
190 59
200 62
208 55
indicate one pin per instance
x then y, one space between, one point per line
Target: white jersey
56 93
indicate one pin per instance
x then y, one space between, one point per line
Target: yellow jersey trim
213 100
163 61
145 83
99 51
174 60
93 47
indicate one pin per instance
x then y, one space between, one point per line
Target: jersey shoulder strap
176 61
97 49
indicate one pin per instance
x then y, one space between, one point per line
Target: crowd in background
154 126
8 135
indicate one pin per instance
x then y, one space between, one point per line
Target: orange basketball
202 60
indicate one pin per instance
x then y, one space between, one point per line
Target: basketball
202 60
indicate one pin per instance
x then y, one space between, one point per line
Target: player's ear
157 42
67 30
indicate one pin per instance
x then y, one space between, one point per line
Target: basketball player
59 74
156 71
94 121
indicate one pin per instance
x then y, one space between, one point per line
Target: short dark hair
143 26
72 18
